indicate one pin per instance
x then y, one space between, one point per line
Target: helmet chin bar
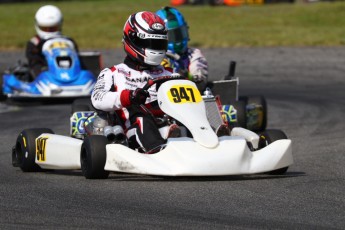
154 57
46 35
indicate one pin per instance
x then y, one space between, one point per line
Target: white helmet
48 21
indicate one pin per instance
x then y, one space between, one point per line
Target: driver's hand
176 75
198 76
198 71
139 96
133 97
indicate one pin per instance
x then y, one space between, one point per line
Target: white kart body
203 155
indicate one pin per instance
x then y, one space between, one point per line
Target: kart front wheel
92 157
24 151
269 136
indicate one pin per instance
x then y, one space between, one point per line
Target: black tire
240 107
93 156
269 136
82 104
3 97
258 101
24 151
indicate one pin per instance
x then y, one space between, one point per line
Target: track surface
305 91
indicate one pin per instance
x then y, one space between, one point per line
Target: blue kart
64 77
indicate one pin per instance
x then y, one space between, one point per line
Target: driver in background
118 89
187 61
48 24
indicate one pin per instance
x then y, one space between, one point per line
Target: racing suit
192 64
36 60
109 95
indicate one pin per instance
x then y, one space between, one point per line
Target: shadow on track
118 176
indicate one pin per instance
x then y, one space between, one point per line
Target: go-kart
201 153
65 76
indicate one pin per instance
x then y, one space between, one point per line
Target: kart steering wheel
158 80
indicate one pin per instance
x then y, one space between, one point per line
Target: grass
98 24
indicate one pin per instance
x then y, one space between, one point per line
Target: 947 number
182 93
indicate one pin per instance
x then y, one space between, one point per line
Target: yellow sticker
41 148
59 44
24 142
166 62
184 94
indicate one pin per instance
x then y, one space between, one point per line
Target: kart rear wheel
92 157
24 151
259 108
269 136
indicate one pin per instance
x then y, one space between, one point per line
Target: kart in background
68 75
248 112
201 152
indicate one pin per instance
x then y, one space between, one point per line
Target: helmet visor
50 28
178 34
155 44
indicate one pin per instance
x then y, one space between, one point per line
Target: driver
119 88
187 61
48 24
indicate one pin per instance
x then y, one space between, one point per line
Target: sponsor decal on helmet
157 36
157 26
141 35
152 36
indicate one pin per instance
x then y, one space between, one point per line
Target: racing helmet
178 36
145 38
48 22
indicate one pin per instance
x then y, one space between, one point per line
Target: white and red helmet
145 38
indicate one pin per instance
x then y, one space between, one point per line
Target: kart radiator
227 90
213 112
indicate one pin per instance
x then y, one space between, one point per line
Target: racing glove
133 97
198 76
198 71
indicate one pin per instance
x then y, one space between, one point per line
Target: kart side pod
58 152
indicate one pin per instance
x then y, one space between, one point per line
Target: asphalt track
305 91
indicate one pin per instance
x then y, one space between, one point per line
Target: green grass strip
98 24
